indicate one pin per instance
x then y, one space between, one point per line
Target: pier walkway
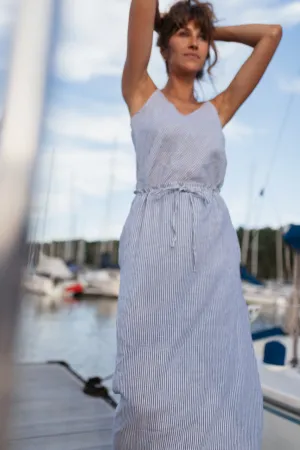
51 412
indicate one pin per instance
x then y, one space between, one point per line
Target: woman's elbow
276 31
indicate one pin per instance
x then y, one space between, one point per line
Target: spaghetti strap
147 102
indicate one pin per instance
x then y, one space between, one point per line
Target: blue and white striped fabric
185 369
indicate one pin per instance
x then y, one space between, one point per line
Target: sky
87 161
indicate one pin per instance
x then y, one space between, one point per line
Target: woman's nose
193 43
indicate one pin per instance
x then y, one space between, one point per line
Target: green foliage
266 253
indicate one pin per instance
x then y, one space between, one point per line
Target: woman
185 370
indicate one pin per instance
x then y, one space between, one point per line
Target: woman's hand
265 40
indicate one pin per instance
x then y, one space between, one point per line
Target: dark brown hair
180 14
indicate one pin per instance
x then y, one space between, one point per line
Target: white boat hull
104 283
279 383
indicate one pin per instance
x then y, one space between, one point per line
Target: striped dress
185 370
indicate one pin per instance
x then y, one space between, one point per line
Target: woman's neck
180 90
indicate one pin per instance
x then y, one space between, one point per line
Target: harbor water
82 333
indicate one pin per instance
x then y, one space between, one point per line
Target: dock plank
50 411
280 433
93 441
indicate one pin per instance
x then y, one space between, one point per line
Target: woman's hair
180 14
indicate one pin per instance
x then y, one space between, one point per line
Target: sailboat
105 281
255 292
267 294
51 277
277 350
102 283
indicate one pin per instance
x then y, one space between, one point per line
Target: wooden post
97 253
245 246
279 255
52 249
246 232
254 252
288 266
81 252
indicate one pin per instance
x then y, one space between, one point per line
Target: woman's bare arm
265 40
135 78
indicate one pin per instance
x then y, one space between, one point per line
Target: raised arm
265 40
140 34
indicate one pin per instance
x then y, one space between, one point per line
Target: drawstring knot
194 191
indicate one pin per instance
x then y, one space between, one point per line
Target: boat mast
68 246
109 196
246 233
295 329
46 209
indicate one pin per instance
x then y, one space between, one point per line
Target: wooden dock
51 412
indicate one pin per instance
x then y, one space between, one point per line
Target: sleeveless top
175 148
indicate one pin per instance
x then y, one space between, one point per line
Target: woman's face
187 51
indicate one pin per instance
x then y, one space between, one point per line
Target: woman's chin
190 70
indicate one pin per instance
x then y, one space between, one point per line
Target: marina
59 415
63 417
80 334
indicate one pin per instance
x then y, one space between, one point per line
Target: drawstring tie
194 191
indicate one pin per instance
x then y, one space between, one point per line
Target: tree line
267 258
266 264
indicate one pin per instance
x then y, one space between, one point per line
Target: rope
276 150
110 377
94 388
278 141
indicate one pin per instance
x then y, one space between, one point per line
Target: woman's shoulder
138 99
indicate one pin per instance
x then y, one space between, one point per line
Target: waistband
206 193
190 187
